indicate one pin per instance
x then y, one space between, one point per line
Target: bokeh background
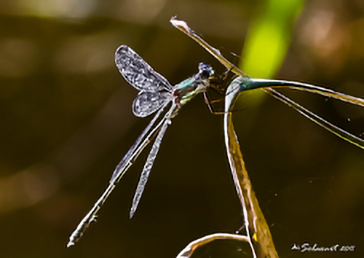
66 121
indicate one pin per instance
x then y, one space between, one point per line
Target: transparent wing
149 163
147 102
137 72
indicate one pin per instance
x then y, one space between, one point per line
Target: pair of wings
154 89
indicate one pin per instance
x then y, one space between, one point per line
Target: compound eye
205 71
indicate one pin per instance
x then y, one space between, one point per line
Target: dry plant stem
258 232
182 26
191 247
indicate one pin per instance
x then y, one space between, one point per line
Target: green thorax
188 89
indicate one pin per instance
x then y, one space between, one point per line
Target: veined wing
138 73
147 102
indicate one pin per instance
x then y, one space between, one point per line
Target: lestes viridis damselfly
156 93
256 228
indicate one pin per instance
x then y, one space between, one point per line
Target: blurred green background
66 121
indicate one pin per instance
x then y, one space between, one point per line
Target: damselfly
156 93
